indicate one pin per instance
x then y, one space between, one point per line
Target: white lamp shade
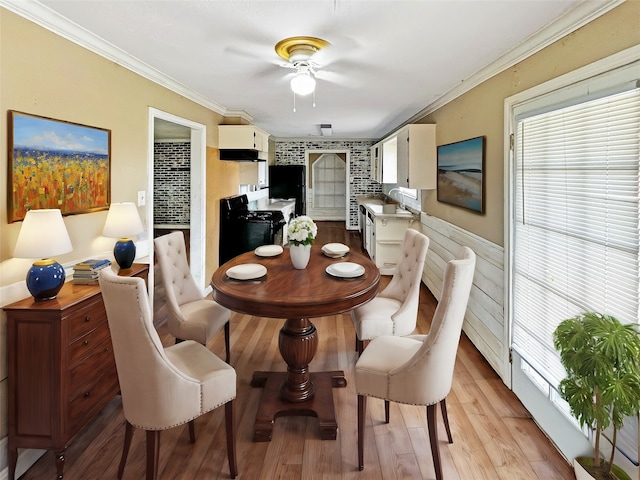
122 221
303 83
43 235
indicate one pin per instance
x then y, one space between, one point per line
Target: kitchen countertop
375 206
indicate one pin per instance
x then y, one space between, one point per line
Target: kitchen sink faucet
399 190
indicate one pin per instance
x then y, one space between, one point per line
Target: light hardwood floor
494 436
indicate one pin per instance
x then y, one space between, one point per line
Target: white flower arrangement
302 230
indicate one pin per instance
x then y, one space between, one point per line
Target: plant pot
581 472
300 256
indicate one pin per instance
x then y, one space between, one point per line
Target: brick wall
172 183
293 153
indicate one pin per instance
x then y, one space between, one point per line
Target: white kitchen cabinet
376 162
390 160
383 235
238 137
370 236
417 156
389 237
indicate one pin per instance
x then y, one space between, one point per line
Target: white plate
335 249
268 250
247 271
334 256
345 269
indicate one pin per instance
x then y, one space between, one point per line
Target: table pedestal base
320 405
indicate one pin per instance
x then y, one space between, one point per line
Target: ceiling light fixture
303 83
298 52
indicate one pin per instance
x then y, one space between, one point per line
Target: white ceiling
388 60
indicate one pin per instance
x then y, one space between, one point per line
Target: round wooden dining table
296 296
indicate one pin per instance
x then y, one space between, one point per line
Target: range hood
243 155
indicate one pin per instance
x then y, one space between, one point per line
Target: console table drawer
84 373
85 319
87 345
90 399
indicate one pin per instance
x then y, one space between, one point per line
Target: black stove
243 230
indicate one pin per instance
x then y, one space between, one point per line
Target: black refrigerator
288 181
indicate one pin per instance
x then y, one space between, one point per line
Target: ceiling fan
298 53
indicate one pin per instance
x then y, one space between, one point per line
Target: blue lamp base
45 278
124 252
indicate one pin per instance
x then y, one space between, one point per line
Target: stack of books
86 272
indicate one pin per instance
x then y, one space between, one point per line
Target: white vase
300 255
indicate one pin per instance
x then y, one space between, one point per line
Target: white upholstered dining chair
418 370
190 316
394 310
161 388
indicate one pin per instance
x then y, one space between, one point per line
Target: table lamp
43 235
122 222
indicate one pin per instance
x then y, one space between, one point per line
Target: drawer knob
86 394
86 342
87 318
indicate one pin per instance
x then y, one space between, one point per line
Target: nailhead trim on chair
403 403
186 421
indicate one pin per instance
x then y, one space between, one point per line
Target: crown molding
56 23
585 12
239 114
321 139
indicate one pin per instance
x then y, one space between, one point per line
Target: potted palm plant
602 359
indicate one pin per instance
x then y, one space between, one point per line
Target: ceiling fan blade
338 79
323 57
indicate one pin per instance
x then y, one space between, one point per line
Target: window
409 192
575 221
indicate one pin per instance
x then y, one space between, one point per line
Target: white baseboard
26 459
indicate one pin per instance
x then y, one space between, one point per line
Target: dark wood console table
61 368
297 296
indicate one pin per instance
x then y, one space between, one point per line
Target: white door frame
198 193
347 176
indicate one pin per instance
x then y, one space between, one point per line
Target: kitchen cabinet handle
86 342
87 318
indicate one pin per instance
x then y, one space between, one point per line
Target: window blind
576 216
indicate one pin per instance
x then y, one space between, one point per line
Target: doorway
166 127
327 185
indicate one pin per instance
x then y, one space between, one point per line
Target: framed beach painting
56 164
461 173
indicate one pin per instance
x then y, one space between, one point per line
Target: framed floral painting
56 164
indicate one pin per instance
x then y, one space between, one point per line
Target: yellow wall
480 111
44 74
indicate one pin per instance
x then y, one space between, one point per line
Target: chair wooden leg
433 439
153 453
445 418
231 438
192 431
386 411
227 341
128 434
362 409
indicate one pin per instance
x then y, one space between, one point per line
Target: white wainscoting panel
484 321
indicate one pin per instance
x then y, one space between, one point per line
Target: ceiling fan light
303 83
